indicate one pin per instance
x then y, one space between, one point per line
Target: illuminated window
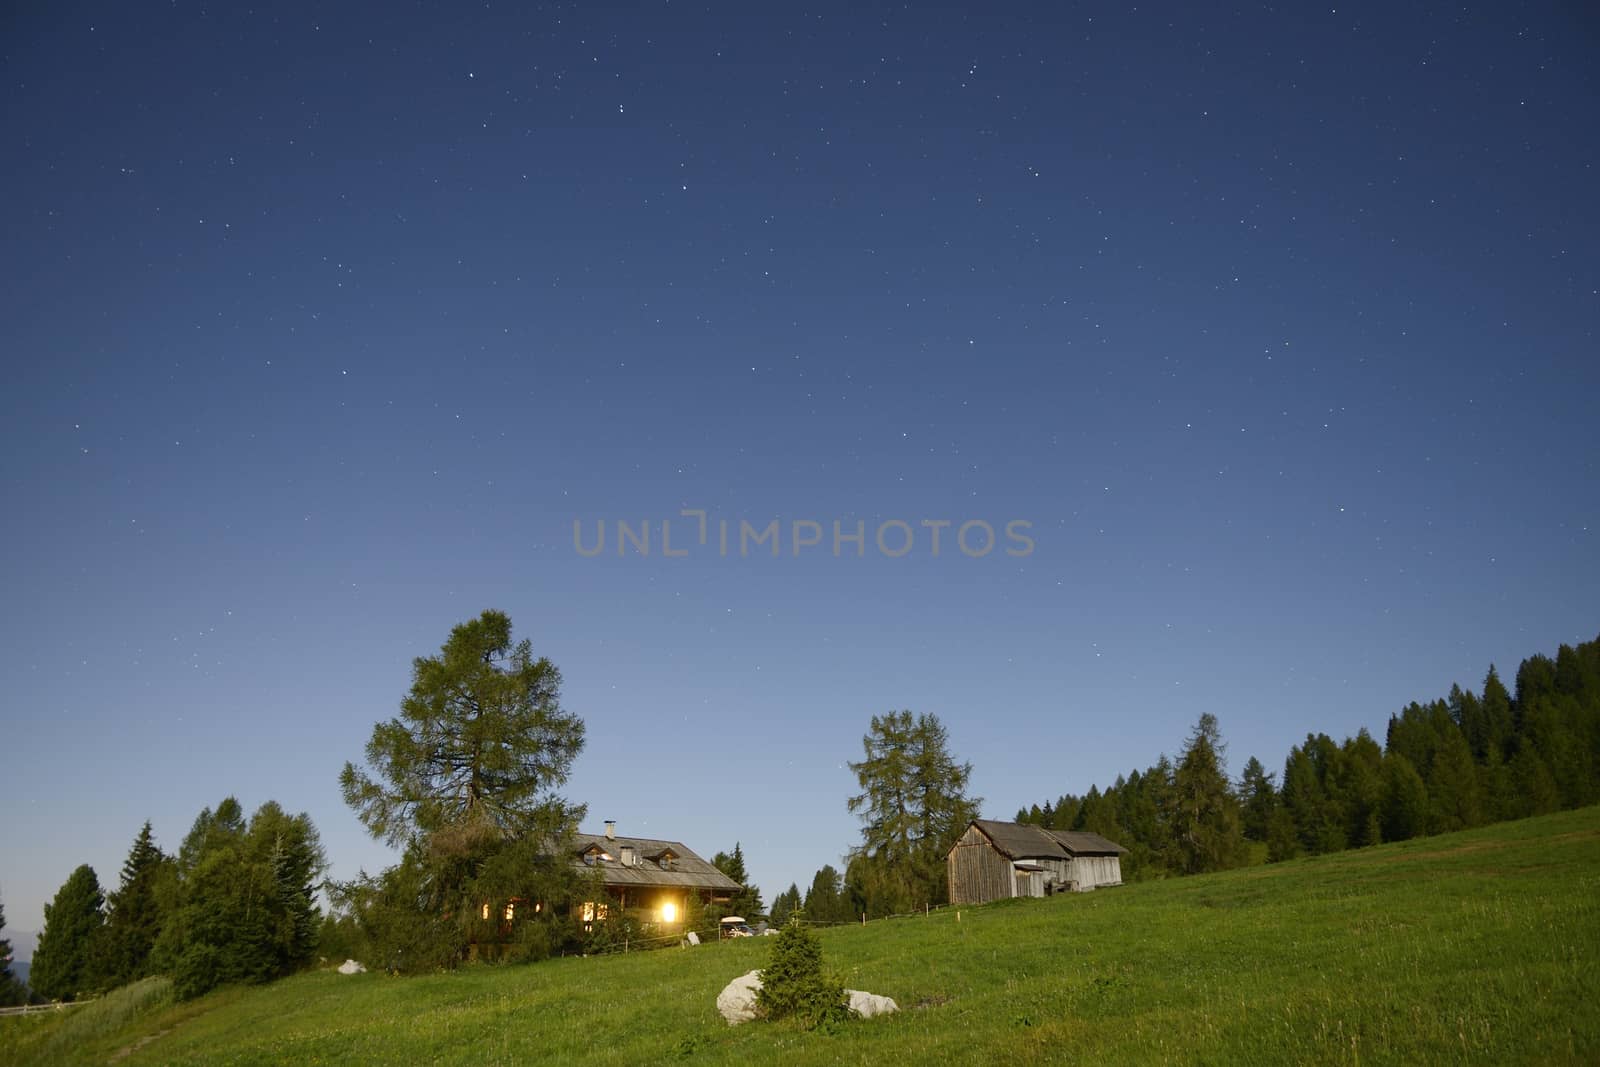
587 912
511 909
486 911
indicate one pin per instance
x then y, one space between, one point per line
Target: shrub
794 985
198 971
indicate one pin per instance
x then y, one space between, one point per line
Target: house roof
688 871
1026 841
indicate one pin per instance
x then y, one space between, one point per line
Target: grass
1477 946
61 1036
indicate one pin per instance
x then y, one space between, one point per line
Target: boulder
737 1001
867 1005
351 967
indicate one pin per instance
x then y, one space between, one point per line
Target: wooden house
993 860
648 874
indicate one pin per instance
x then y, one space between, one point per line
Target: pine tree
1404 799
1499 720
1471 720
1283 837
785 904
794 984
1454 802
245 908
913 805
1205 814
1258 798
747 902
480 744
137 909
1532 785
1304 798
466 780
825 901
1097 813
11 990
1360 787
66 961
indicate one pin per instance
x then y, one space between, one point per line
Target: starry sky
323 324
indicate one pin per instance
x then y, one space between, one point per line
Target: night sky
323 324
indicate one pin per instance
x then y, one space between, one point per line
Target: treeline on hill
237 903
1462 761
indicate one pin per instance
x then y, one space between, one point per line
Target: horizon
328 330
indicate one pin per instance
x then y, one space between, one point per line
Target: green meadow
1477 946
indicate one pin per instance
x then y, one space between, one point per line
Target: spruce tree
1205 813
1404 799
1454 802
1258 799
785 904
794 984
11 990
747 902
1532 785
1359 787
1283 837
66 962
137 909
245 910
825 901
1499 720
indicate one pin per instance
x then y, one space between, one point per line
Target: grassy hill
1476 946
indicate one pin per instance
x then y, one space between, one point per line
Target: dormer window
666 859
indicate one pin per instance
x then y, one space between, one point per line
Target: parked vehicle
735 926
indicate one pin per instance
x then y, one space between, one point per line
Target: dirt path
128 1050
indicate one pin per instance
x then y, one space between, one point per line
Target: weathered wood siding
1056 872
978 873
1092 871
1029 883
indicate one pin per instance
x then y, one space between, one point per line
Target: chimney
611 829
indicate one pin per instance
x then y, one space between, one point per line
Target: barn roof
1026 841
1086 843
687 871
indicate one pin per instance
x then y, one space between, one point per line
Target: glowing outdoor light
669 912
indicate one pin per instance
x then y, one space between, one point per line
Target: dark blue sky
322 325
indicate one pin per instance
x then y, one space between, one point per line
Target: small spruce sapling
794 985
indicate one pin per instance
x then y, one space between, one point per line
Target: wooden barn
993 860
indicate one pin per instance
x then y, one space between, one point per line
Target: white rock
737 1001
351 967
867 1005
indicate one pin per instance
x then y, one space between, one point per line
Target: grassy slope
1473 946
